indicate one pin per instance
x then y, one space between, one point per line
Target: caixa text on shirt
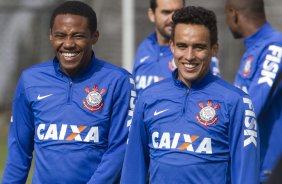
144 81
182 142
68 132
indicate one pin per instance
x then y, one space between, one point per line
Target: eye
166 12
79 36
59 35
181 46
200 47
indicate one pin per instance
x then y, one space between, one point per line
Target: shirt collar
261 34
164 49
207 79
84 72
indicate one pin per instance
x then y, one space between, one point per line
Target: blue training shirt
259 68
77 127
203 134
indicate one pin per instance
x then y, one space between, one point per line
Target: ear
215 48
234 14
94 37
151 15
50 35
171 45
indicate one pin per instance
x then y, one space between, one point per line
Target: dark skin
72 41
240 22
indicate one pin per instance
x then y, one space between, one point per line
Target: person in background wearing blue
69 111
193 127
154 60
260 74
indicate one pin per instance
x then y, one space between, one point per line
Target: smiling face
72 41
192 51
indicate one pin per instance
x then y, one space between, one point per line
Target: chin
237 35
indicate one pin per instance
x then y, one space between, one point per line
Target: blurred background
122 25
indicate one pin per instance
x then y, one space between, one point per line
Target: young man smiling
69 110
154 60
193 127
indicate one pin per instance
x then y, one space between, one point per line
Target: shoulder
36 70
39 67
148 41
273 37
227 91
159 89
147 48
111 69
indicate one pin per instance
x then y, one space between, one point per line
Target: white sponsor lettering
144 81
182 142
39 129
132 103
93 135
51 132
53 129
205 146
250 123
271 65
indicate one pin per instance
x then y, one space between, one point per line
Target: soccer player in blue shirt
69 112
193 127
154 60
260 74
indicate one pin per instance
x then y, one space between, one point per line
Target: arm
269 68
244 143
20 139
136 163
109 169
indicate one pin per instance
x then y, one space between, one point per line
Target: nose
69 43
170 17
189 54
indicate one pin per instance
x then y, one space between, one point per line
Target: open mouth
190 66
68 56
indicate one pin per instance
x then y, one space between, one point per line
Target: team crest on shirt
247 67
94 99
207 115
171 65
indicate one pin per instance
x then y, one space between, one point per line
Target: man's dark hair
253 9
197 16
76 8
153 4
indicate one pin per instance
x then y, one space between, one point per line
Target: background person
260 73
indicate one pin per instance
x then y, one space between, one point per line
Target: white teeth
68 54
190 65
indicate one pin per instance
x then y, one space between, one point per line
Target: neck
252 27
162 41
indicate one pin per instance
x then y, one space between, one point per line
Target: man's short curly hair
76 8
197 16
